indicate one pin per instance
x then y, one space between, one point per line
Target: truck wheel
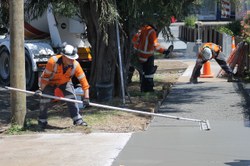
4 67
31 76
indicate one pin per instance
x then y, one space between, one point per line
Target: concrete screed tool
204 124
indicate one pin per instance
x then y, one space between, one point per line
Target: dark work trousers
200 62
147 81
68 91
135 64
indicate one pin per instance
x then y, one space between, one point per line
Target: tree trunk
104 54
17 61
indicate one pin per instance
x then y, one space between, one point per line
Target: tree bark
17 61
104 54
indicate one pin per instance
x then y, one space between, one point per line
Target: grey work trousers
69 92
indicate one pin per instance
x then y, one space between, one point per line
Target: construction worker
57 75
146 43
208 51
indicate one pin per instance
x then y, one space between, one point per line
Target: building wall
214 10
242 10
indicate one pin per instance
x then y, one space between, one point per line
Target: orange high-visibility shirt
54 74
214 47
148 43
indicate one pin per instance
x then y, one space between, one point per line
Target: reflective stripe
46 79
45 101
74 68
53 73
143 59
145 52
146 42
43 120
47 71
81 76
77 117
55 58
149 76
213 46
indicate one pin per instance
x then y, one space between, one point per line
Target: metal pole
199 39
204 124
120 60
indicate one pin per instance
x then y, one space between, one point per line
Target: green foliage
224 29
245 24
235 27
232 29
157 12
35 8
15 129
190 21
4 13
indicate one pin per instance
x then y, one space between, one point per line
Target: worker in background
208 51
146 43
57 74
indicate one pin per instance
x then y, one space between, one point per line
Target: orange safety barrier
207 73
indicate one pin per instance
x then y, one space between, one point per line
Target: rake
204 124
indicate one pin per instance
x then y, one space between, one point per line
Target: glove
168 51
38 92
85 102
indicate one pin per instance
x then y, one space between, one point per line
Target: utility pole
17 61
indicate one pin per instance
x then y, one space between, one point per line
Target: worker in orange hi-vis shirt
57 74
209 51
146 43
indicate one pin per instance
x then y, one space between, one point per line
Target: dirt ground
102 120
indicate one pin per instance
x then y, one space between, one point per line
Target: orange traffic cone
207 71
58 93
233 43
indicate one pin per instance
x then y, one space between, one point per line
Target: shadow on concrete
239 163
245 95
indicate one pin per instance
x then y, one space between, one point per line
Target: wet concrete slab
177 142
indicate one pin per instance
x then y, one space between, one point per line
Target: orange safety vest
148 43
54 75
216 49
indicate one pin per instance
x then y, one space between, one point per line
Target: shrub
232 29
190 21
245 24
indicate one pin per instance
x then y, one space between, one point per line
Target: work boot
231 78
80 122
168 51
194 80
42 125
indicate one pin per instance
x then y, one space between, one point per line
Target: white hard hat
206 53
70 52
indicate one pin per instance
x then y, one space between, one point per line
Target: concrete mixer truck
43 38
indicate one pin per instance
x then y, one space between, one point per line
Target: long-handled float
204 124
